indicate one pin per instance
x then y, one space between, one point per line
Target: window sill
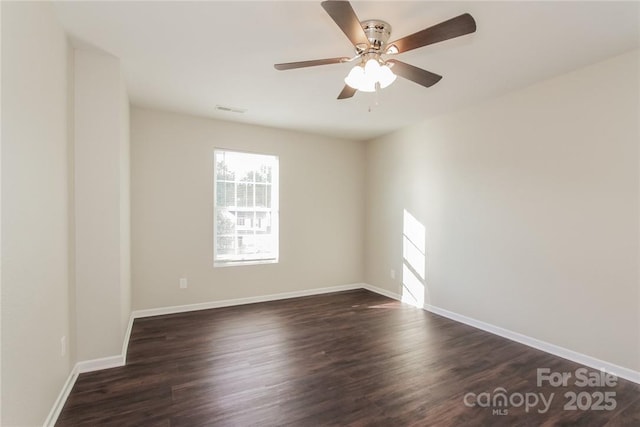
217 264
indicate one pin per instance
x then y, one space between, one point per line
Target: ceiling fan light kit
372 72
369 39
370 76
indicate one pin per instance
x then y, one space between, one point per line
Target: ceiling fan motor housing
377 33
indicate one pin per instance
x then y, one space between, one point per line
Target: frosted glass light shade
355 77
386 76
372 68
365 78
368 84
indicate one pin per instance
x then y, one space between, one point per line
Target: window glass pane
222 170
225 246
230 194
225 222
220 193
269 196
246 244
225 194
244 207
262 222
263 242
245 221
261 195
242 195
263 174
250 190
228 190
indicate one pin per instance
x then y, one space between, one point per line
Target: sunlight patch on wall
412 288
414 261
413 256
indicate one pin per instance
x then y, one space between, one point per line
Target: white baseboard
383 292
98 364
81 368
241 301
127 337
556 350
51 419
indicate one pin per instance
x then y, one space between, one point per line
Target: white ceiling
191 56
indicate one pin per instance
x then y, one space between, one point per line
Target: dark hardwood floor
350 358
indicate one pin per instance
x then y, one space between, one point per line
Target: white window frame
250 259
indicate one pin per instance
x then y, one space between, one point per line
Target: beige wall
125 211
101 182
530 211
35 275
321 210
71 204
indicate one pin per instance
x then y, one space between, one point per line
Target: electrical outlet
392 273
183 283
63 346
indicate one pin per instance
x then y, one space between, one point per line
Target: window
245 208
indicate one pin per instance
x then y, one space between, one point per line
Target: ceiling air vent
231 109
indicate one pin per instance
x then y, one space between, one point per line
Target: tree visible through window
245 207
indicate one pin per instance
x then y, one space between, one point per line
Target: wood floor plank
351 358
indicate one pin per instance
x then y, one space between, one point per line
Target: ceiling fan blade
344 16
313 63
347 92
454 27
415 74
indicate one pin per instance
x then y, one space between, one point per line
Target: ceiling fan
370 41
